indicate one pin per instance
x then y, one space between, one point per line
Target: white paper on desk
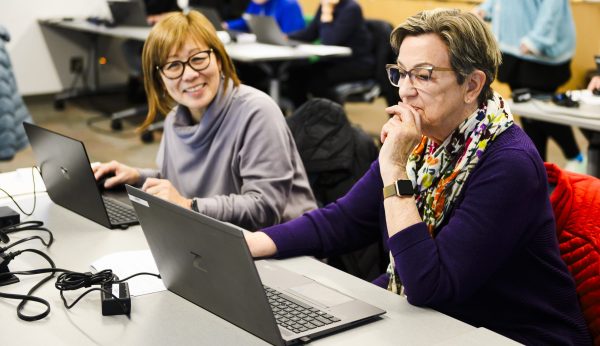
127 263
20 182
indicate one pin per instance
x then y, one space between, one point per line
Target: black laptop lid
67 174
207 263
128 13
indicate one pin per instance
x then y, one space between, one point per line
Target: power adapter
8 217
6 279
112 306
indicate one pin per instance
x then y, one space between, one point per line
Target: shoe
577 165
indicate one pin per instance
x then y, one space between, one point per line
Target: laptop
208 263
128 13
267 30
69 179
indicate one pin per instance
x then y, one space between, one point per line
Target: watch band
195 205
399 188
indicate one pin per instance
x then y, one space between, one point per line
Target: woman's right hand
260 244
123 174
399 135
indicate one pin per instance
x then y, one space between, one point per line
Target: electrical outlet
76 64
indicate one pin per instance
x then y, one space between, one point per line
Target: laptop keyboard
119 213
294 315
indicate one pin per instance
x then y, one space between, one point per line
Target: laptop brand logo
198 262
65 173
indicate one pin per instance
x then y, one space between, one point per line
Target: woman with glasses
226 150
458 193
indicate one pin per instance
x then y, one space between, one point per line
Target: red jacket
576 204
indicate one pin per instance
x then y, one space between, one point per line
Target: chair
368 90
335 155
576 204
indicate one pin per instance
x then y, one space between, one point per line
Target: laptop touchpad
320 294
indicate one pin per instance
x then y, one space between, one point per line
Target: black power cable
67 281
34 195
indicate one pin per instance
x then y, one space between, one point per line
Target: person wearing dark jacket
339 23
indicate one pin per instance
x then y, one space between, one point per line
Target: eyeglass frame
429 68
186 63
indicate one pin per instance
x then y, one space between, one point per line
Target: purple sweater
494 263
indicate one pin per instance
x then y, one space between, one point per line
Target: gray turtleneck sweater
240 162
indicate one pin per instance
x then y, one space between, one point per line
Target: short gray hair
470 42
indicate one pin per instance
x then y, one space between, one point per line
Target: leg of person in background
132 52
333 73
519 73
253 75
295 88
537 134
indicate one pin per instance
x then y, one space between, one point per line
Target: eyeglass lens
198 62
417 75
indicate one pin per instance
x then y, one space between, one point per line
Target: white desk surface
247 52
130 32
166 319
586 118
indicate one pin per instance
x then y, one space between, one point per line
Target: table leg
593 166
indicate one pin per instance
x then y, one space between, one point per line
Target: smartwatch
399 188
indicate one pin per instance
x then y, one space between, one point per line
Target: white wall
37 70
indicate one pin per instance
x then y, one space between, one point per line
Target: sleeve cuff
208 206
532 47
291 241
408 238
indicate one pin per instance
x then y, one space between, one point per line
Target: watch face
405 187
399 188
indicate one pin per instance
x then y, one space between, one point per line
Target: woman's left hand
163 188
399 136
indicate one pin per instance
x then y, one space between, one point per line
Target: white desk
587 119
166 319
272 59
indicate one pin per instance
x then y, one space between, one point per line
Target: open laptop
128 13
207 262
69 179
267 30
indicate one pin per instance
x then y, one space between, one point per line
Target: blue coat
287 13
12 109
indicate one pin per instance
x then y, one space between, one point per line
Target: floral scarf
439 172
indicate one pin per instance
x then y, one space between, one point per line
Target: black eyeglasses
419 76
198 62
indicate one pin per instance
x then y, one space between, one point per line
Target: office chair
575 200
378 85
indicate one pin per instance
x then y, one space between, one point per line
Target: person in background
537 40
339 23
459 195
226 150
287 13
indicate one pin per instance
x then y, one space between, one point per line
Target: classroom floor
103 144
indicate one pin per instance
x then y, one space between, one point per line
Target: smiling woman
226 150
